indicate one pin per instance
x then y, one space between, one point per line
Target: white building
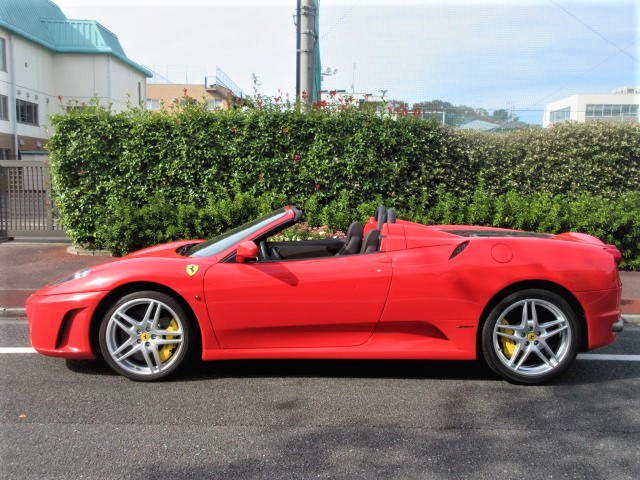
342 97
621 105
48 62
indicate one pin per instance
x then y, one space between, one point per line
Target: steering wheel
267 253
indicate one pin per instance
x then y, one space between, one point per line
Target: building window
559 115
4 107
610 110
215 104
5 154
3 54
153 104
26 112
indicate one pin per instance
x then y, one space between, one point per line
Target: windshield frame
225 241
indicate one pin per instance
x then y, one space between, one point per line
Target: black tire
146 336
531 337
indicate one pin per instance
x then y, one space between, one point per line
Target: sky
511 54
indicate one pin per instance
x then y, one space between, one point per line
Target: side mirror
246 251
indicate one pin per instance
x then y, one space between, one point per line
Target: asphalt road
317 419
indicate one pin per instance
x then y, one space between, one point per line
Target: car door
324 302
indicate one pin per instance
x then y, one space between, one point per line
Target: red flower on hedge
285 130
316 187
234 130
296 158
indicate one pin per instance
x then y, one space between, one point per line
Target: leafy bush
126 180
127 228
303 231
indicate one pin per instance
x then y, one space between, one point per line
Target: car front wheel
531 336
145 336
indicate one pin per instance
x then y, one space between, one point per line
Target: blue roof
43 22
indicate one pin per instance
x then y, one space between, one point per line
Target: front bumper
60 325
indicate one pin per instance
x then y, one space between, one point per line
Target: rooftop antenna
353 79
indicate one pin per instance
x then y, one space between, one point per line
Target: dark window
3 54
26 112
4 107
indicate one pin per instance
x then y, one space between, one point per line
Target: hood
165 250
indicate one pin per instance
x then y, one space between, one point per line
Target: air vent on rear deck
458 250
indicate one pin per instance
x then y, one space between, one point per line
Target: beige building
165 95
219 92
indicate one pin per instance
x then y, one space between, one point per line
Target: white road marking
583 356
609 357
17 350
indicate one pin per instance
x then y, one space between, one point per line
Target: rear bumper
602 314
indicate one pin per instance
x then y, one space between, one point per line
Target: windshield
220 243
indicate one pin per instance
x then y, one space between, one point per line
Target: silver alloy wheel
144 336
532 337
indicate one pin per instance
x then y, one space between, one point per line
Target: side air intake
458 250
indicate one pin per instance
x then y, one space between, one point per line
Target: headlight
74 276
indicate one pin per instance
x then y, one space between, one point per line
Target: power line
581 75
333 27
594 30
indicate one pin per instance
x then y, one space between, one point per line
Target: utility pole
306 41
297 22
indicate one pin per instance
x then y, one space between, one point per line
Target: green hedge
127 180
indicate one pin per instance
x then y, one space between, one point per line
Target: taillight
613 250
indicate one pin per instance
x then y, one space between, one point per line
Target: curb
631 319
76 250
11 312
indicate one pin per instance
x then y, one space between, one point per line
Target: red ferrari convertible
525 302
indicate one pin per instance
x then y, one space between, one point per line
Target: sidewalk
26 267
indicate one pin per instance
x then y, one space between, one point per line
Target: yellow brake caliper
166 351
508 346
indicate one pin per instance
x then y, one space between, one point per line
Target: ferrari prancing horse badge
192 270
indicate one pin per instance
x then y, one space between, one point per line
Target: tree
500 115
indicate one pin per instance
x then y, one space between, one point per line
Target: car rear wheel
530 336
145 336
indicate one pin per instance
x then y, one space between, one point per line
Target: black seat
391 215
353 240
371 242
381 215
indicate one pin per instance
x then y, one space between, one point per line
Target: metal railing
223 80
26 208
